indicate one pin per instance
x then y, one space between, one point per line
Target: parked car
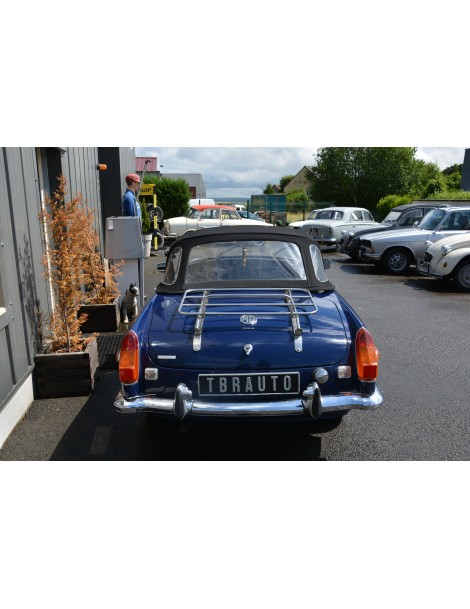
196 202
245 323
329 224
249 216
209 217
303 224
397 250
448 258
402 216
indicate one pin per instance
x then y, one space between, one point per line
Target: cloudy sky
241 172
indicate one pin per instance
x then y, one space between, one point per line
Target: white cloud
238 172
444 157
241 172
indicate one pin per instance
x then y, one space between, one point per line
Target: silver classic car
402 216
397 250
330 224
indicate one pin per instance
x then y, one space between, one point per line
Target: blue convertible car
245 323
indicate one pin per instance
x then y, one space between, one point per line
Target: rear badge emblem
248 349
249 320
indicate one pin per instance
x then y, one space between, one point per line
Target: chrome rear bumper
312 404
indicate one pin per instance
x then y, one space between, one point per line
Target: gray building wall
465 182
28 176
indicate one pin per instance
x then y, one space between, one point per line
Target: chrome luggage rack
252 302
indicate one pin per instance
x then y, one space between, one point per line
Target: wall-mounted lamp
101 167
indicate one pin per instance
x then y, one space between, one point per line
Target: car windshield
432 220
192 213
391 217
245 261
329 215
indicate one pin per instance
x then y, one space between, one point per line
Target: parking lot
421 328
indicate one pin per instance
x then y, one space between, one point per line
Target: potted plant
101 295
68 362
147 231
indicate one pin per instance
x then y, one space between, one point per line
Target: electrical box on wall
123 238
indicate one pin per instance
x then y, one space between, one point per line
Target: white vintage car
328 225
449 258
206 216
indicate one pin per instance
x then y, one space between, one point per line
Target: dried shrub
72 261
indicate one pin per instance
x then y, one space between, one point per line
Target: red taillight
129 360
367 356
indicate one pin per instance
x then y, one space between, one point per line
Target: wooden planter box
101 317
67 374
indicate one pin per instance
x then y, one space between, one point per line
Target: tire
397 261
461 275
155 212
160 239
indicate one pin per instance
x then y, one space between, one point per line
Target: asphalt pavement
419 325
59 428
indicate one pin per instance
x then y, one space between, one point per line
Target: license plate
279 383
424 267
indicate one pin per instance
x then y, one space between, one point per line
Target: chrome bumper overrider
312 404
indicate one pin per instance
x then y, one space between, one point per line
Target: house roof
141 160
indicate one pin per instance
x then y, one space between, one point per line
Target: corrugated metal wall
20 265
24 173
465 183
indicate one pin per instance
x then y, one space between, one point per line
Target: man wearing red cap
130 203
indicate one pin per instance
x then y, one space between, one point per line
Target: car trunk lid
274 331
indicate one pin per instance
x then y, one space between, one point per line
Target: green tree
146 228
386 204
422 176
450 195
297 196
453 177
172 195
456 168
284 181
435 186
363 176
269 190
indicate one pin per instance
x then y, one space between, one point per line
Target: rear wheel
461 275
397 261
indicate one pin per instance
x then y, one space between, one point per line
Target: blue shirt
130 205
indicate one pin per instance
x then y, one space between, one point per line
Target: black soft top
246 233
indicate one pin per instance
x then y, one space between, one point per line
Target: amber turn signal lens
129 360
367 357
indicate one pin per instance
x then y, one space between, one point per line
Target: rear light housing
367 357
129 359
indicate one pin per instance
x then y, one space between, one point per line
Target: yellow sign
147 190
